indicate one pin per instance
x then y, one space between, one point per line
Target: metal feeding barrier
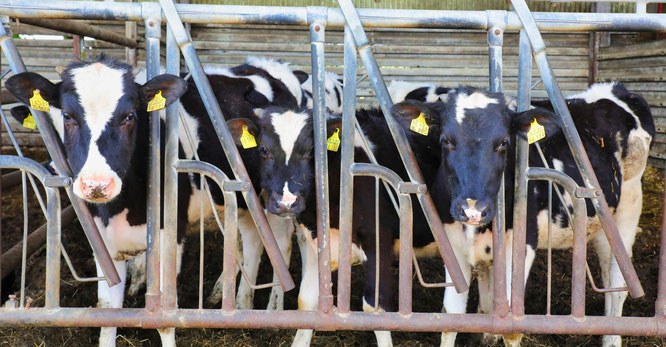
161 310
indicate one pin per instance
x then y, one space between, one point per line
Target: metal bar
169 256
76 276
54 147
500 300
402 145
660 304
346 179
419 276
405 256
577 149
24 250
520 187
13 179
76 49
243 319
153 279
81 29
393 18
228 145
317 22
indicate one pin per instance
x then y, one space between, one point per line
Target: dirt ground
76 294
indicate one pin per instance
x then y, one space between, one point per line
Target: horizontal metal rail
193 318
386 18
82 29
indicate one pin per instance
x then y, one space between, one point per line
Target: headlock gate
161 309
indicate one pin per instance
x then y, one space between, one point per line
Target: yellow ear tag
333 142
536 132
158 102
247 140
419 125
29 122
38 103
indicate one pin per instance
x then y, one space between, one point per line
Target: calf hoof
611 341
216 295
512 340
490 339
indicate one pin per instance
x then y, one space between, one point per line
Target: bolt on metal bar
346 178
228 145
577 149
154 283
520 187
405 151
54 147
317 22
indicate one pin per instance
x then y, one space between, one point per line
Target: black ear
24 84
301 75
172 88
20 113
333 125
236 128
521 121
408 110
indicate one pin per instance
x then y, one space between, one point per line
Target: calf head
285 151
475 130
101 108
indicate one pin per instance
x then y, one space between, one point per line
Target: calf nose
284 204
474 210
96 188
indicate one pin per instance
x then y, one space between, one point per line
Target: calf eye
129 119
68 119
502 145
446 142
264 152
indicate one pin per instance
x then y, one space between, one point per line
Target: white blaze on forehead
475 100
287 197
288 126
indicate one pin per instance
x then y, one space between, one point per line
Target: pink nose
97 188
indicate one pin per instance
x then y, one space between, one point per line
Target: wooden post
77 47
597 40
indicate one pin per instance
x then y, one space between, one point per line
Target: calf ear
236 128
521 121
172 88
20 113
23 85
301 75
333 125
408 110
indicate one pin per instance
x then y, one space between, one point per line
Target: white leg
383 336
455 302
308 293
136 267
484 278
514 339
112 298
283 229
252 250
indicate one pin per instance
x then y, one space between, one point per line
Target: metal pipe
346 178
228 145
243 319
153 248
577 149
520 187
660 305
393 18
54 147
402 145
81 29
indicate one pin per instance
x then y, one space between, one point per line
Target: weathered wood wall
642 68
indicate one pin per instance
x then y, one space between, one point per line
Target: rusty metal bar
660 304
405 151
81 29
228 145
317 22
577 149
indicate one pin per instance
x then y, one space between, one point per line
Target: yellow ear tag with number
29 122
419 125
158 102
38 103
333 142
247 139
536 132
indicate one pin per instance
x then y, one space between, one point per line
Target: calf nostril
484 213
461 211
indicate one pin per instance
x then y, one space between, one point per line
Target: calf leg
484 279
136 267
252 251
385 283
110 297
308 293
514 339
455 302
283 229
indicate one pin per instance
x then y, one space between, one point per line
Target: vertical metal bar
76 49
549 271
153 280
405 275
500 300
660 305
130 32
577 149
317 22
228 145
520 188
201 241
170 257
230 251
346 178
377 246
54 147
405 151
52 287
578 258
24 249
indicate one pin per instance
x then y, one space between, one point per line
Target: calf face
285 150
475 130
101 108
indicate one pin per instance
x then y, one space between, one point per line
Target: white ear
60 69
259 112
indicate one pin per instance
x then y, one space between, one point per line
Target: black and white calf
420 91
475 140
105 134
333 86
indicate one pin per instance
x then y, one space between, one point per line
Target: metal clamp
588 193
412 188
57 181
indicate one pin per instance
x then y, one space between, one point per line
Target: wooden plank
644 49
633 62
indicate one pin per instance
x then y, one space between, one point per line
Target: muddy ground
75 294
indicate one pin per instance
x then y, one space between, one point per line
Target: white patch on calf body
99 88
475 100
122 240
331 84
288 126
279 71
399 89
